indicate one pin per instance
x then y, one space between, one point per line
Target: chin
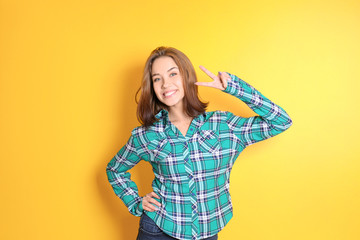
170 104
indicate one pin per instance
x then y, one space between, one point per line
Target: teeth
168 93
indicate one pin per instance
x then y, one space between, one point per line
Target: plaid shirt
192 172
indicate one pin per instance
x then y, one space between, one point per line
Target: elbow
288 123
283 126
108 171
110 168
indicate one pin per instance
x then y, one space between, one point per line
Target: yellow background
69 71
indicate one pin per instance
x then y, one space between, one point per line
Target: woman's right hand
147 201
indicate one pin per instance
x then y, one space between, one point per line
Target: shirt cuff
139 208
234 86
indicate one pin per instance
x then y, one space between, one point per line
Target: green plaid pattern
192 172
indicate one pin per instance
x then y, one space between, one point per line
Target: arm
119 177
271 121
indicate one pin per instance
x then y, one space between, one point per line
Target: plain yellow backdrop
69 71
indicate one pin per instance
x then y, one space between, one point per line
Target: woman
191 151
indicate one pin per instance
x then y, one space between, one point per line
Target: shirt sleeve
271 121
120 178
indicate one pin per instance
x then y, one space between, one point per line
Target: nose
166 82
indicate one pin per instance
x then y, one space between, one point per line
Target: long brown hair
149 105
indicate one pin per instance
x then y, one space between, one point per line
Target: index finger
210 74
154 195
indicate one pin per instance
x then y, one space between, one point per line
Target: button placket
192 188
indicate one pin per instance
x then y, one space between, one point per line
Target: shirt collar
164 122
161 114
163 119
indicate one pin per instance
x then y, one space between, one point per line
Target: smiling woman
176 63
191 151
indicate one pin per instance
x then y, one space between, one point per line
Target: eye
156 79
172 74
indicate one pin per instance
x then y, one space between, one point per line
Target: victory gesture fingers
219 81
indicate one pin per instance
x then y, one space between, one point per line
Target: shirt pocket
209 141
166 165
159 149
210 154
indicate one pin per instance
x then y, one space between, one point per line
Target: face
167 82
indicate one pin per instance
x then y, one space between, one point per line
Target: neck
178 115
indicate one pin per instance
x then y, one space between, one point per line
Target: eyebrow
167 71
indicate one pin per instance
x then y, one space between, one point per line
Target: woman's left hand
219 81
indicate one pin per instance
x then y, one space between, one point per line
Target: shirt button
193 194
190 176
186 159
191 129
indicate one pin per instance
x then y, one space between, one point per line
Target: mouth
169 93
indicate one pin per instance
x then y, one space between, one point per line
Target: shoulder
144 134
223 119
141 131
217 115
214 120
138 131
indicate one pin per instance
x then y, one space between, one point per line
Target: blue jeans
148 230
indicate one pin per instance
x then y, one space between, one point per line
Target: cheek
180 84
157 90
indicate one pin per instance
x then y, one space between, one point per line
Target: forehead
162 64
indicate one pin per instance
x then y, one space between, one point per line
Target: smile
169 94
